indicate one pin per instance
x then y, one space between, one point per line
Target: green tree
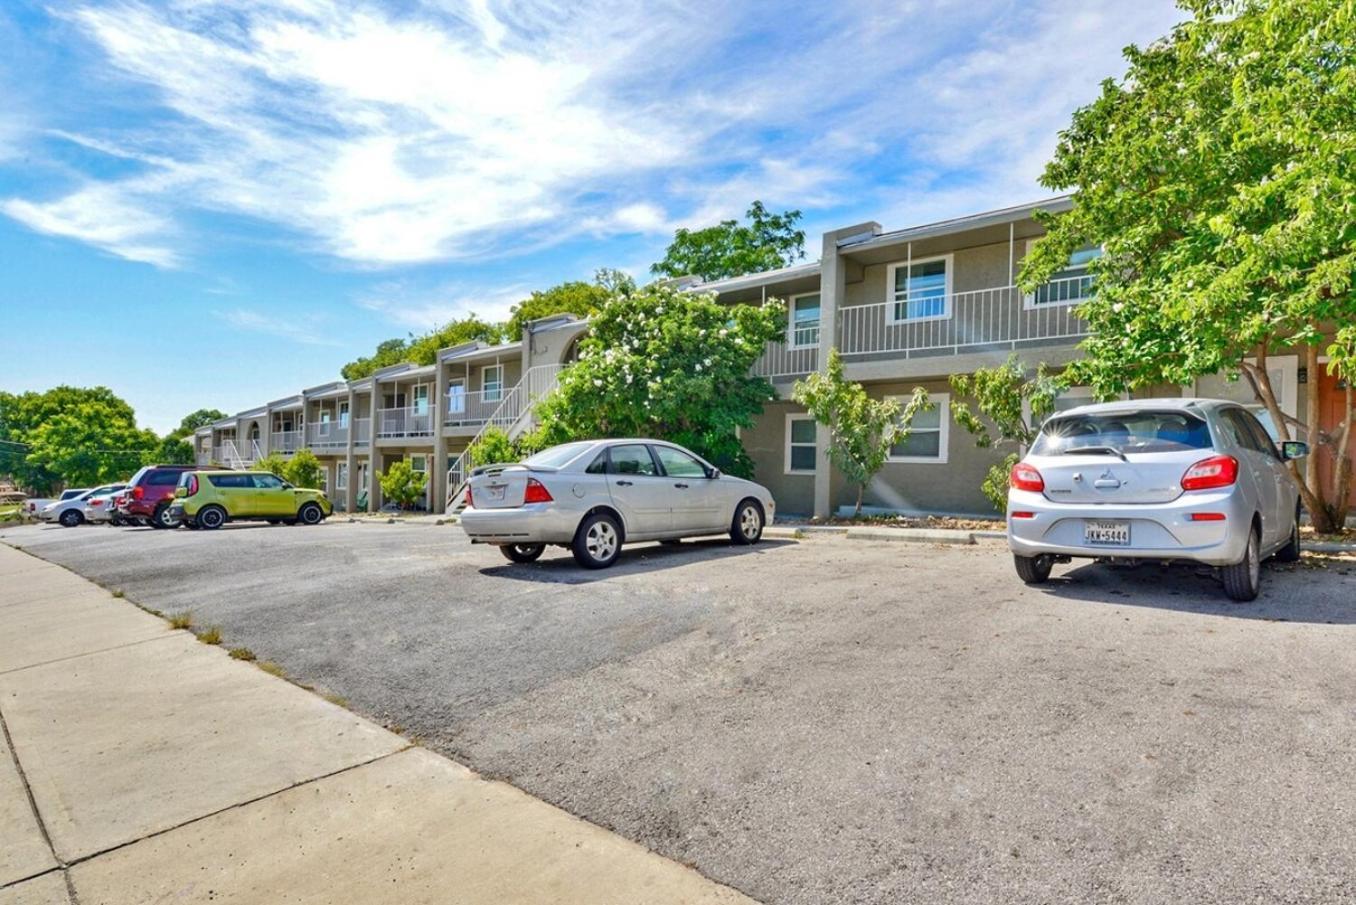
492 447
667 364
730 248
273 463
1217 177
423 348
172 451
862 430
1012 406
575 297
72 436
304 470
195 420
401 484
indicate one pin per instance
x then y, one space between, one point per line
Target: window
1245 431
805 320
1129 430
492 382
557 456
678 464
267 481
920 290
927 440
1069 286
456 398
631 459
229 481
343 414
341 475
421 399
800 444
162 478
419 464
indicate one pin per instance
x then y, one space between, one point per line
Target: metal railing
985 317
240 455
472 408
410 421
783 360
285 442
513 412
327 435
362 431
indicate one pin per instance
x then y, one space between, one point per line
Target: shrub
304 470
401 484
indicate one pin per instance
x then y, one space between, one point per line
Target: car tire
1243 579
210 518
311 514
747 525
522 552
71 518
162 518
1291 551
597 543
1033 569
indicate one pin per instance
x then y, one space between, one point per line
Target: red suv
147 499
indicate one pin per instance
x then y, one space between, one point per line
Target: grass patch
337 700
181 620
210 635
119 593
241 653
273 669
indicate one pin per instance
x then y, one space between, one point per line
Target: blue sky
219 202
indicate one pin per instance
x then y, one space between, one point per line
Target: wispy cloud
307 329
421 308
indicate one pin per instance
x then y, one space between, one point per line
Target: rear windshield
557 456
1124 432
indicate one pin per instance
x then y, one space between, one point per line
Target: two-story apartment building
904 308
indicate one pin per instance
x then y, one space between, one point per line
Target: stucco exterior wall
765 443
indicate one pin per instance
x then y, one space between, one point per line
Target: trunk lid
500 486
1098 478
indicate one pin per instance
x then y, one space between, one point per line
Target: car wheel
747 527
1033 569
1291 551
597 543
210 518
522 552
1243 579
162 517
311 514
71 518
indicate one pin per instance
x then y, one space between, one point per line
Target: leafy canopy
862 430
195 420
304 470
730 248
670 365
423 349
574 297
1219 175
401 484
72 436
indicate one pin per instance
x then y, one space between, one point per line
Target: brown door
1332 401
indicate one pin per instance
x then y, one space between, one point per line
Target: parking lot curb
1328 547
913 535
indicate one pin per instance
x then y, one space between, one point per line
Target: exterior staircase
514 416
238 459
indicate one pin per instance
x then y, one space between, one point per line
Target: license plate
497 491
1107 534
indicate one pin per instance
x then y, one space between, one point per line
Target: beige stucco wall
765 443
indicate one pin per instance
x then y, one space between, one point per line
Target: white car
592 496
70 511
33 506
1195 480
99 507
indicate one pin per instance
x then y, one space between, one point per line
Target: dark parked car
149 494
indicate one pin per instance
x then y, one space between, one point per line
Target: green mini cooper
209 499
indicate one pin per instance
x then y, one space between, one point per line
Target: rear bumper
1158 531
535 523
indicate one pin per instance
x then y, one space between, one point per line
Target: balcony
328 435
362 431
1002 317
411 421
284 442
472 409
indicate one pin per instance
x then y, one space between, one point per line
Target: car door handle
623 483
684 486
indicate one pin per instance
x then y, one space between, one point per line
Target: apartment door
456 399
1332 402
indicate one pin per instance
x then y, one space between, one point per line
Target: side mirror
287 485
1294 449
713 473
181 491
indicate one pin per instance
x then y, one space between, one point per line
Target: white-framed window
1069 286
919 290
419 463
341 475
927 442
492 382
421 399
803 329
456 397
343 414
800 444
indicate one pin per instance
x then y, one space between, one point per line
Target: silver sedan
592 496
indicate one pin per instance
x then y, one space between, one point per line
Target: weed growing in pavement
119 593
273 669
210 635
181 620
241 653
337 700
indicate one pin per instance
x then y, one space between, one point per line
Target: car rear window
163 478
557 456
1124 431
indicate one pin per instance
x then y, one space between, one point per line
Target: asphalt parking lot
832 720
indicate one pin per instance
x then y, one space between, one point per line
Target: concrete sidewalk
139 765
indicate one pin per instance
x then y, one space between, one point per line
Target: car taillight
1024 477
536 492
192 484
1216 471
138 492
96 502
468 496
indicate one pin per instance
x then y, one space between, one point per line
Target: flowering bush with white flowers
670 365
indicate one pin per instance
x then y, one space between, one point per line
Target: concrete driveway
829 721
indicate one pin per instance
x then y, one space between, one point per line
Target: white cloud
106 216
422 308
306 329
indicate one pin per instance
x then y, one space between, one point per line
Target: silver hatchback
593 496
1196 480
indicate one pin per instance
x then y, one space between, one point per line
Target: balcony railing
285 442
472 408
411 421
327 435
783 360
362 431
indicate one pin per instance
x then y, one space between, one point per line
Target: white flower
699 366
597 382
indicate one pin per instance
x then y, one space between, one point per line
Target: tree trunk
861 490
1341 475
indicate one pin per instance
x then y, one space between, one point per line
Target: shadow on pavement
557 565
1285 593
